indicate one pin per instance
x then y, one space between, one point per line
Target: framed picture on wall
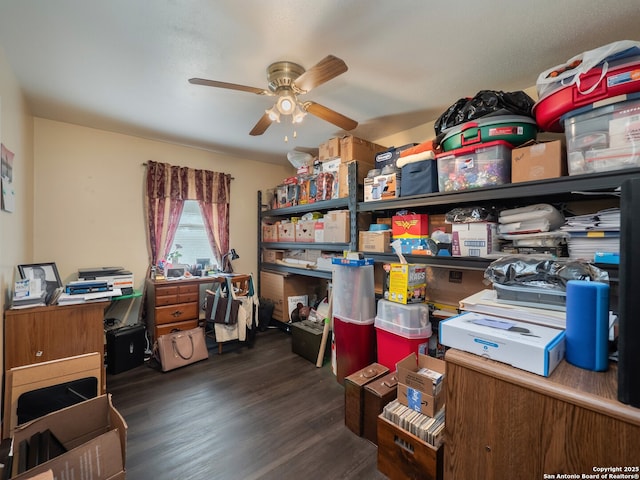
47 273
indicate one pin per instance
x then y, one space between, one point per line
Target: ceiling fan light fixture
286 104
273 113
298 114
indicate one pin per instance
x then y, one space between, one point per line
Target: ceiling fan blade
230 86
323 71
261 126
330 116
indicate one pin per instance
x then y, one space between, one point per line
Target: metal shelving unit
568 188
347 203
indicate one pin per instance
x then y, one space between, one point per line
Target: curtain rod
144 164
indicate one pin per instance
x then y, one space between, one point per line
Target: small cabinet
40 334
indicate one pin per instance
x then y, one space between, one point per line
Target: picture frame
51 276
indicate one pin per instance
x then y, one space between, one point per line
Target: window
192 237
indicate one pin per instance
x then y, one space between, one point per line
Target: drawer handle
177 313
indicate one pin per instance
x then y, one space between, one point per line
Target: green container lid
515 129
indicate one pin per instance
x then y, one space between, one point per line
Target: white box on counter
527 346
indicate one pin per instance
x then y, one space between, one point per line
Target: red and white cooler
401 330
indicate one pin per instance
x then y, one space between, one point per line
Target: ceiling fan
288 80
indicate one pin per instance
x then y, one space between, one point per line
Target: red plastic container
620 79
393 347
355 346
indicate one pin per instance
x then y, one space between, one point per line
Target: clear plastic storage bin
481 165
604 138
410 321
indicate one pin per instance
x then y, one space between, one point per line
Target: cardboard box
476 239
528 346
403 455
286 232
417 390
407 283
410 226
538 161
93 432
354 148
420 401
278 287
318 231
329 149
337 226
410 373
438 222
270 233
340 171
305 231
375 241
272 256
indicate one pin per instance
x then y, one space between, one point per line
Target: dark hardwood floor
250 413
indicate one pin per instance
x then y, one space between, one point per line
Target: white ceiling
123 65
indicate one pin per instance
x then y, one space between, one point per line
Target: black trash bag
541 272
485 102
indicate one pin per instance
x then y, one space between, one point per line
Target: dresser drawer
176 313
172 294
170 327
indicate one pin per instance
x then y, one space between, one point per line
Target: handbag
222 309
180 348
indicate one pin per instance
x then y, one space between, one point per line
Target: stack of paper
593 234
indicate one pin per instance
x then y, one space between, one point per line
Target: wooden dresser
172 305
502 422
40 334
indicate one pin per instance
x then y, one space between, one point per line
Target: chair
232 301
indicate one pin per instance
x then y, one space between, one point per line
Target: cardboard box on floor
93 432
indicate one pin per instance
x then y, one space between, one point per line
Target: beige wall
89 197
16 229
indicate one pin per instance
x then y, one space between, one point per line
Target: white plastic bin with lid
401 330
353 316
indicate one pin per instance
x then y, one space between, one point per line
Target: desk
175 304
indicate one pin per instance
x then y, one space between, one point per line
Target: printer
116 277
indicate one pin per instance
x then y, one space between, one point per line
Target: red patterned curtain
167 187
